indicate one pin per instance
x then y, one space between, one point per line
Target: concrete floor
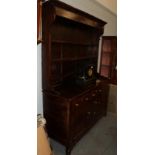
100 140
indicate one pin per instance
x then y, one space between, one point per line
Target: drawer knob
76 104
88 112
86 99
100 90
93 94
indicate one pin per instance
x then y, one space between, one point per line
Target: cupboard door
55 113
39 18
98 105
103 93
109 58
80 115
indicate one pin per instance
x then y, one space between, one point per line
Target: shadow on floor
100 140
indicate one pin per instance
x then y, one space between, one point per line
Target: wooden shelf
67 74
74 59
73 43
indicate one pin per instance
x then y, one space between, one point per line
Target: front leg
68 151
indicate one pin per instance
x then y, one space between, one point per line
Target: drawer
80 109
86 109
80 106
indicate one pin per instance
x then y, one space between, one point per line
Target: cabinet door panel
80 111
56 51
109 58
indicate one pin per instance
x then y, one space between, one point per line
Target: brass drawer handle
76 104
86 99
93 94
88 112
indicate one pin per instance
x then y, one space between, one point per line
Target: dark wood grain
69 43
109 58
39 18
77 15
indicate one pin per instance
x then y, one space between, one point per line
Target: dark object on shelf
86 75
72 101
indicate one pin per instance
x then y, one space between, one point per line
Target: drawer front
99 102
79 107
80 111
87 109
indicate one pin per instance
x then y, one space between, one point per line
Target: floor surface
100 140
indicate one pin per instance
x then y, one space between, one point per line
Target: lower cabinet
68 119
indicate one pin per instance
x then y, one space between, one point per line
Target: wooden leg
68 151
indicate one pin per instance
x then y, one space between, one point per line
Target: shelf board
67 74
73 43
74 59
